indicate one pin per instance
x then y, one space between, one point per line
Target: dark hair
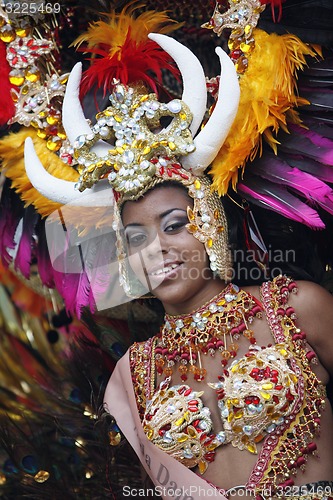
295 245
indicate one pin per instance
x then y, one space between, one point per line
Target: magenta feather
27 241
323 172
278 199
45 268
309 144
273 169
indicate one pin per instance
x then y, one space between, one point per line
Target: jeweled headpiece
141 153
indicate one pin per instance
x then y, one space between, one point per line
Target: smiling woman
231 387
164 254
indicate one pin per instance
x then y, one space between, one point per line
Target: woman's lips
166 271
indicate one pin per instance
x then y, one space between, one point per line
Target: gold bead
52 119
7 34
41 133
21 32
16 80
41 476
114 437
53 145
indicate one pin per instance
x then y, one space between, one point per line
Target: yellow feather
268 102
12 165
114 32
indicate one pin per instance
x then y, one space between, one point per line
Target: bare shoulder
312 301
314 309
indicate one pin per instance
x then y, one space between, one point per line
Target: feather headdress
268 101
121 49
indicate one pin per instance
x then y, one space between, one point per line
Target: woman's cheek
136 265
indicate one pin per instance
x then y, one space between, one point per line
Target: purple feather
45 268
273 169
323 172
278 199
11 212
308 143
27 241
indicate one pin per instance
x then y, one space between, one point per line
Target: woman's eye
135 240
174 226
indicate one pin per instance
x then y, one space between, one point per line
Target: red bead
312 447
183 377
235 54
311 355
300 461
210 456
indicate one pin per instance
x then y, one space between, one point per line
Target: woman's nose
157 245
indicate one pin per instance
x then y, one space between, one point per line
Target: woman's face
163 254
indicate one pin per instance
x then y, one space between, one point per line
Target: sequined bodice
259 392
270 395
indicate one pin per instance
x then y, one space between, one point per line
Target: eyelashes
137 238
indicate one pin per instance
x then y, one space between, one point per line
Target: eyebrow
161 216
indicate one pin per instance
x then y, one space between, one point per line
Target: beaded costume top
271 395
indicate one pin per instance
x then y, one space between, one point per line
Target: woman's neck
196 301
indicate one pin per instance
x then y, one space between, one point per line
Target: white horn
62 191
211 138
194 81
73 119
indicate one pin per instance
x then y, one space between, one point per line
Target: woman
177 258
227 387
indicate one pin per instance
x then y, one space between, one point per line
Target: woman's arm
314 309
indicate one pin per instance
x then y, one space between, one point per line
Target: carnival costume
269 396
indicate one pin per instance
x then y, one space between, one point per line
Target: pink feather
45 268
308 144
280 172
323 172
27 242
281 201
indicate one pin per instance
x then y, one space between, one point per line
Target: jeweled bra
270 395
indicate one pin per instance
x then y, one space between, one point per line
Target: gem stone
187 453
174 106
128 157
167 438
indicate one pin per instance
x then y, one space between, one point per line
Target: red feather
138 63
274 4
7 107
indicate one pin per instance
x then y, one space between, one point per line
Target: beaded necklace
216 326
